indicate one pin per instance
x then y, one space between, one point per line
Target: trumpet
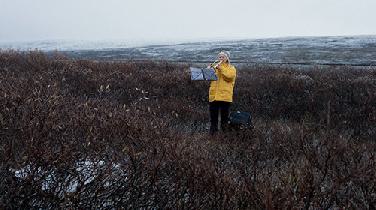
215 64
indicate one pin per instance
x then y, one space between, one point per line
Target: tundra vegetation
108 135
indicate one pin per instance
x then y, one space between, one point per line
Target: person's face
222 58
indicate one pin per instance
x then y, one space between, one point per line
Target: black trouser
214 108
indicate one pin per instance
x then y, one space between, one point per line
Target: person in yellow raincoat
221 92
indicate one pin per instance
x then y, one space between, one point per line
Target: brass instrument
215 64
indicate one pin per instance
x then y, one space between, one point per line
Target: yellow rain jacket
222 89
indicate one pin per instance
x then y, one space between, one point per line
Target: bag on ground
240 120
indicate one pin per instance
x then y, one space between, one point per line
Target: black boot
213 130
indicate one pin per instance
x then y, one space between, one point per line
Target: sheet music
196 74
203 74
209 74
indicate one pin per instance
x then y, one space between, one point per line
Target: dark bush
107 135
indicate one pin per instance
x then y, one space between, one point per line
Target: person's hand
217 65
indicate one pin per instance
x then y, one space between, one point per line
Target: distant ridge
327 50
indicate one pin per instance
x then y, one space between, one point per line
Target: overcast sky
28 20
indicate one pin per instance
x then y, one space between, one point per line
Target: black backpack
240 120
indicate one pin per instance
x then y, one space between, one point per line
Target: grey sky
28 20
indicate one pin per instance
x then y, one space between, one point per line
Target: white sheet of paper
203 74
196 74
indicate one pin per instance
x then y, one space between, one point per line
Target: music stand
203 74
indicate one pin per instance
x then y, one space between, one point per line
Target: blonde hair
227 54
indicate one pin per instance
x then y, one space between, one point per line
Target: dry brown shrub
107 135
